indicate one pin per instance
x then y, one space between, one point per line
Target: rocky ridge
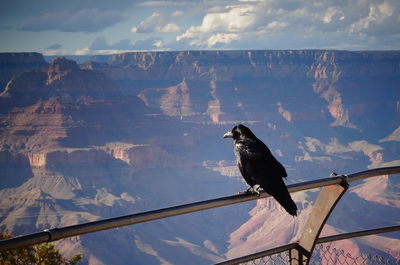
13 64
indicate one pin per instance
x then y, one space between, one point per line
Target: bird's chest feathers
242 150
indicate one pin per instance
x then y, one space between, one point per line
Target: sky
85 27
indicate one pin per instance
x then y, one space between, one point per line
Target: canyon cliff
138 131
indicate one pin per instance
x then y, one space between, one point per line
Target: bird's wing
271 164
258 161
269 173
259 166
278 190
244 170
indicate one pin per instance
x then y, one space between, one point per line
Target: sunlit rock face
140 131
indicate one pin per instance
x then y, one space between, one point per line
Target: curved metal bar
373 173
90 227
326 239
358 234
258 255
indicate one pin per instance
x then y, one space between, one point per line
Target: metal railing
301 252
90 227
326 254
329 255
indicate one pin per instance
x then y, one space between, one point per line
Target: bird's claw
251 190
247 191
256 190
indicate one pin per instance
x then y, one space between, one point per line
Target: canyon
132 132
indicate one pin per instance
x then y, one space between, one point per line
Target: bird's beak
228 135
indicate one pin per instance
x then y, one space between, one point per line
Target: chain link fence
276 259
326 255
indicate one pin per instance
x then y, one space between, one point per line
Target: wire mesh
276 259
327 255
324 254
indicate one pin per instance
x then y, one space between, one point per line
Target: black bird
259 167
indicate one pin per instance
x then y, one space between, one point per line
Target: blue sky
57 27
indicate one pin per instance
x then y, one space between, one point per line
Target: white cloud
149 24
83 51
157 22
170 27
158 44
382 20
55 52
296 24
224 38
101 44
177 13
386 9
237 19
87 51
222 27
245 22
272 27
188 24
332 14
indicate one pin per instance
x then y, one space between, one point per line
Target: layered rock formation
13 64
222 85
139 131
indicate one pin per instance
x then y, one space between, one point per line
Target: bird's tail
281 194
287 203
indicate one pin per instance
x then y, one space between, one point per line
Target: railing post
325 203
